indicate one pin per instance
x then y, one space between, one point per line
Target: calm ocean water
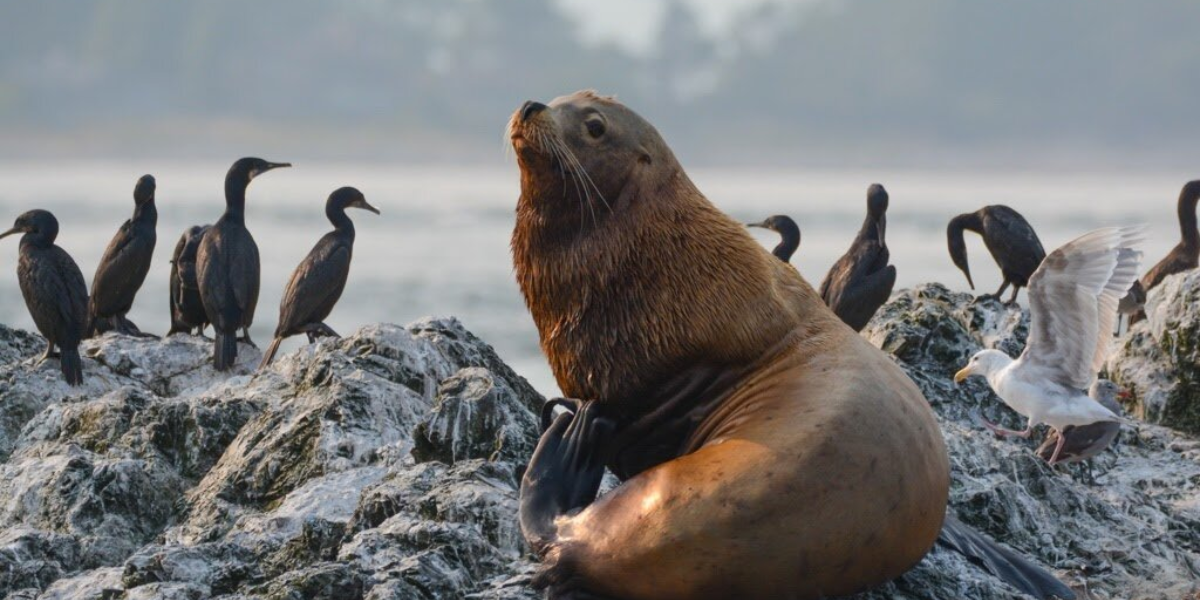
441 245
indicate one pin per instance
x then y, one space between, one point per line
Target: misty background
1019 82
1078 113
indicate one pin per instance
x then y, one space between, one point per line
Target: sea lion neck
669 278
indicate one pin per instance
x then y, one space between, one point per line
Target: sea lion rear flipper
1001 562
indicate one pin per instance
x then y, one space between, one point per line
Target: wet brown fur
819 471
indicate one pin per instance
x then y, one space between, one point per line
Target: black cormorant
318 281
861 280
1009 238
54 290
187 309
124 266
227 266
1185 256
788 231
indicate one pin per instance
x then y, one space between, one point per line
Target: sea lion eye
595 126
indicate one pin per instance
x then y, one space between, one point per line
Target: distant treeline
859 76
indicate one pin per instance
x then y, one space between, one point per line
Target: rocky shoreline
385 465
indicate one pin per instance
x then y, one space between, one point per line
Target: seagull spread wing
1073 298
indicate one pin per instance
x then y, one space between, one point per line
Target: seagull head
985 363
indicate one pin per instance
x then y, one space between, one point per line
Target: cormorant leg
326 331
200 332
1024 433
565 471
130 328
245 339
1013 299
999 292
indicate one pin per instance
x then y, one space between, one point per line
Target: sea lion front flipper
1001 562
565 471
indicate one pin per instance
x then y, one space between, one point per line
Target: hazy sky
632 23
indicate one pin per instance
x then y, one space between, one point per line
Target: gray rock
386 465
96 584
1133 531
476 415
1159 361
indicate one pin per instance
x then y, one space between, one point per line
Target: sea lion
767 450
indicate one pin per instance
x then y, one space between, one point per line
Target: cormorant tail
225 350
72 365
1005 564
269 355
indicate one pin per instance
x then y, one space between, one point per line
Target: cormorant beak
363 204
962 374
880 228
967 272
762 224
10 232
272 165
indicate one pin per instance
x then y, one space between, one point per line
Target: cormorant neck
146 212
38 239
871 226
235 199
788 244
341 221
1187 216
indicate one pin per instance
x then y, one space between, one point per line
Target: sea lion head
583 154
628 271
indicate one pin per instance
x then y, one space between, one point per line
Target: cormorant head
958 246
877 200
246 169
36 222
787 230
348 197
777 223
143 192
877 205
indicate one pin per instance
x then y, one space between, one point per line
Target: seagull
1073 298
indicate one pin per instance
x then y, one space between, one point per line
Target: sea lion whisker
581 192
582 170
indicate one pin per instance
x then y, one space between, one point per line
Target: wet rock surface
1125 525
385 465
1159 360
162 479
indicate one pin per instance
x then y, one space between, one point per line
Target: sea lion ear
644 156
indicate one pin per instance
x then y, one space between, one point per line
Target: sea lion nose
531 108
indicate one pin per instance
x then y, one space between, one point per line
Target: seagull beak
961 375
1125 395
9 232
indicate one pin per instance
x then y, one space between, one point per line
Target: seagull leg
49 354
1062 439
1000 431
